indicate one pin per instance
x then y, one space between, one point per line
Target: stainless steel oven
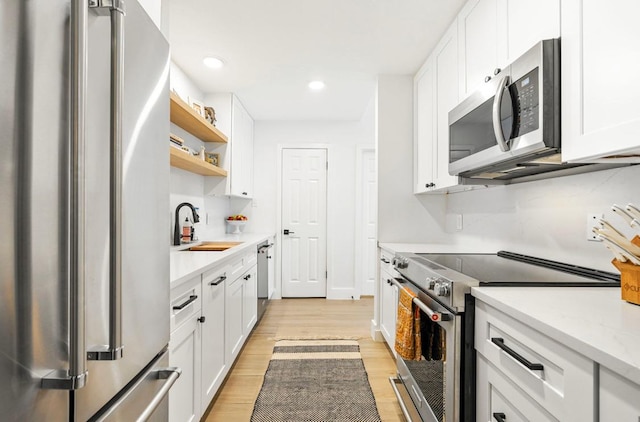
440 387
433 383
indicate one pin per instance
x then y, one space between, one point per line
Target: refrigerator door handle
75 377
113 351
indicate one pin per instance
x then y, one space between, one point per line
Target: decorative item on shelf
186 149
212 158
210 115
198 106
176 140
236 222
201 154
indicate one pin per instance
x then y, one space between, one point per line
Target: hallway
306 318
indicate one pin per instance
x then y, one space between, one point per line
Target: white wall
402 216
342 139
546 218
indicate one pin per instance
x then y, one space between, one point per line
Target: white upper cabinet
424 98
478 44
522 24
237 158
493 33
445 58
600 55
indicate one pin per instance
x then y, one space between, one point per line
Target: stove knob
402 263
431 282
442 289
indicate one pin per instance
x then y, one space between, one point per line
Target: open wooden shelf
187 118
188 162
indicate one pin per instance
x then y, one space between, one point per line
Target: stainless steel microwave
510 127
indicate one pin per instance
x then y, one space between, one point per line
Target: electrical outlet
592 221
458 222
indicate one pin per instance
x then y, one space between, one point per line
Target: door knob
286 231
202 319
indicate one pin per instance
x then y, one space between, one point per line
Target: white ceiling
273 49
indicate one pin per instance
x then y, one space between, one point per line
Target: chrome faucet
176 226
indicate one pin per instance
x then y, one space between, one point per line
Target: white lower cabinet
250 300
212 315
185 351
388 299
556 383
233 318
619 398
500 400
213 353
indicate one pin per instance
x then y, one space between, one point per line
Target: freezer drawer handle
508 350
76 376
116 10
500 417
188 302
169 375
218 280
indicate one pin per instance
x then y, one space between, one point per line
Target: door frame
359 226
278 293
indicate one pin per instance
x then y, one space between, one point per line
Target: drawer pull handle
500 417
218 280
530 366
189 301
385 260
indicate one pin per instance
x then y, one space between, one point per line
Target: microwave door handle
497 111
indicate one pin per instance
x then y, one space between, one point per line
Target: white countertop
593 321
432 248
186 264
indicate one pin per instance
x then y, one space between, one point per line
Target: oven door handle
433 315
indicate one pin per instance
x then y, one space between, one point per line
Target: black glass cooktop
511 269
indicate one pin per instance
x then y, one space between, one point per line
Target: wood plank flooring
305 318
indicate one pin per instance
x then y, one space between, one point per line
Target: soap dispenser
187 230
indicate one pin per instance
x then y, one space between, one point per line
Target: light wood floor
305 318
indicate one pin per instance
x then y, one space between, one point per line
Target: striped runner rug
315 380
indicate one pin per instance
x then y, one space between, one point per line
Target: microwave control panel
525 92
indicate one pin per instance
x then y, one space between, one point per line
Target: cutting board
214 246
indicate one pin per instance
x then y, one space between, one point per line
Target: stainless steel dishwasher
263 276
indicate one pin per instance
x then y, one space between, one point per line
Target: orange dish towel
408 341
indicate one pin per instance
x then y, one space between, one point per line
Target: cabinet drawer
216 276
500 399
565 384
240 264
386 259
186 300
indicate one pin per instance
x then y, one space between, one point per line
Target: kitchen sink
214 246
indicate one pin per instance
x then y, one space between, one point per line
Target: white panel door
368 245
424 98
304 216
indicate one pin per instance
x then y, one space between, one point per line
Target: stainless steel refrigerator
84 208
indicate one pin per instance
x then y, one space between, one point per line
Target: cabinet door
233 319
250 300
521 25
600 57
619 398
213 341
241 151
184 352
445 57
424 127
388 309
478 44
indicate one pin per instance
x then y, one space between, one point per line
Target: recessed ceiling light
316 85
213 62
